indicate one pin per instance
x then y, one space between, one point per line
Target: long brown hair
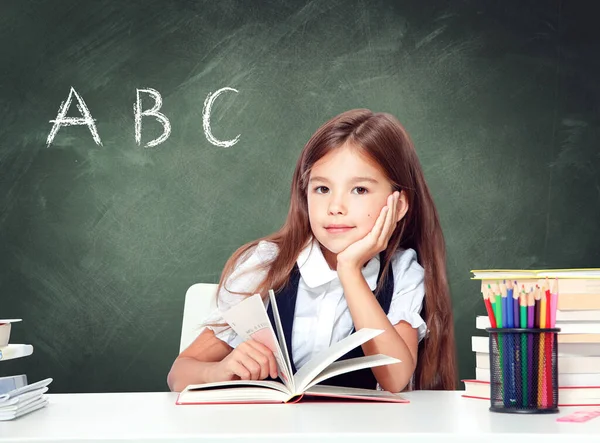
382 138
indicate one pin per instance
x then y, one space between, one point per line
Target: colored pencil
542 392
550 350
548 304
549 346
524 353
538 305
532 371
523 311
517 368
549 343
501 304
516 314
494 302
504 295
499 314
494 306
488 308
532 400
509 339
541 373
530 310
537 355
510 310
543 309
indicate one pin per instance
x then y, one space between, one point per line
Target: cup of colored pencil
523 347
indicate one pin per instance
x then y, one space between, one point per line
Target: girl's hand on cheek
360 252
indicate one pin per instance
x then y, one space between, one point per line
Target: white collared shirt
322 316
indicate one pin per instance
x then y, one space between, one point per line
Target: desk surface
430 417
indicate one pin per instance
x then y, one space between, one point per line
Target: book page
238 384
280 335
23 397
324 358
249 320
12 414
503 274
352 364
355 394
24 389
240 395
569 273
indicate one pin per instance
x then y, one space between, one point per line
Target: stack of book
17 397
577 317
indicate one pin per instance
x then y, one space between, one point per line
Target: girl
361 219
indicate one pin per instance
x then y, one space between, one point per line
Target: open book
249 320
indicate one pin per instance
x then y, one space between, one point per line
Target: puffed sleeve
409 291
245 278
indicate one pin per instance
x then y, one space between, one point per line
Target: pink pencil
554 303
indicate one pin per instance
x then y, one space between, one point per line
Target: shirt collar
316 272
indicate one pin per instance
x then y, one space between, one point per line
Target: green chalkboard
99 242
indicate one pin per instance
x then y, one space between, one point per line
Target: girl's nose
337 206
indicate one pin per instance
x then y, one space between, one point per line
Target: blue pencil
517 368
510 323
509 361
505 312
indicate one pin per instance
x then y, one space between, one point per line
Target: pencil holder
523 370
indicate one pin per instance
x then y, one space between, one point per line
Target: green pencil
524 355
500 336
497 307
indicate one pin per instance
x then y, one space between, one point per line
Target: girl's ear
402 205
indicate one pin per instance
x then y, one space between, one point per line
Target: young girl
361 247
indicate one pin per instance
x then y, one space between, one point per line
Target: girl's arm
196 364
399 341
209 359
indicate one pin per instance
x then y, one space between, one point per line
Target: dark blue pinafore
286 302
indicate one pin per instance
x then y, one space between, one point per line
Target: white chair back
200 301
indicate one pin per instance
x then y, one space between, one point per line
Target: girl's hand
250 360
360 252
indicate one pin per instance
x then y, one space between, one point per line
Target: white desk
154 417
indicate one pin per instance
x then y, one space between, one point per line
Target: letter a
138 113
63 120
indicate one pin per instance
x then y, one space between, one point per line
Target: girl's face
346 192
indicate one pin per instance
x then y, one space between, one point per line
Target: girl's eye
321 189
360 190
